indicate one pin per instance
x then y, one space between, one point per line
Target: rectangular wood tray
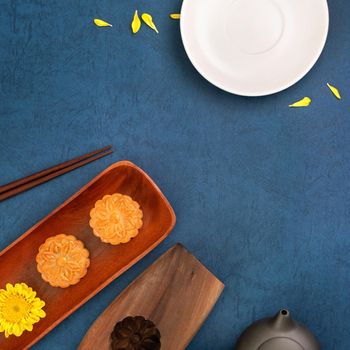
17 261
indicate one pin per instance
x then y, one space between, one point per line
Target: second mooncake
116 218
62 260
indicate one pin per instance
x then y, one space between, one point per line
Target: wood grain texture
17 262
177 293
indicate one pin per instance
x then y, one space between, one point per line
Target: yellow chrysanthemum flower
19 309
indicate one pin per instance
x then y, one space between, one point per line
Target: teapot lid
276 333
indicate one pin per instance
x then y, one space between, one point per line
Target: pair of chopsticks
16 187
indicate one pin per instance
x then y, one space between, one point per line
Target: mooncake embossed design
62 261
135 333
116 218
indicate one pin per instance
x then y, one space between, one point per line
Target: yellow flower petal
175 15
19 289
136 23
302 103
17 330
24 286
33 318
101 23
38 303
38 312
28 327
147 18
31 295
9 287
335 91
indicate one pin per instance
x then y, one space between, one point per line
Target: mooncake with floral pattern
116 219
62 260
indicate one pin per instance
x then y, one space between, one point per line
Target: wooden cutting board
176 292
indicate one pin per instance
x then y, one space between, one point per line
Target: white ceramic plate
254 47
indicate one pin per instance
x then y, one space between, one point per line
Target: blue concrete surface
261 192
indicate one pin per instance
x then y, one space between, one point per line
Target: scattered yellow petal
136 23
147 18
175 16
302 103
101 23
335 91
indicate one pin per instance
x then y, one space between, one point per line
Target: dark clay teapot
277 333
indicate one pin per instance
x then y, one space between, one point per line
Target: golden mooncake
62 261
116 218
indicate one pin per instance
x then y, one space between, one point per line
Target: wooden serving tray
176 292
17 261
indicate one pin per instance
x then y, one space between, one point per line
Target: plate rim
292 82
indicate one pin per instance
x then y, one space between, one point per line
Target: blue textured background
261 192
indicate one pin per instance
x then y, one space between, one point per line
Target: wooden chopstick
50 170
50 173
